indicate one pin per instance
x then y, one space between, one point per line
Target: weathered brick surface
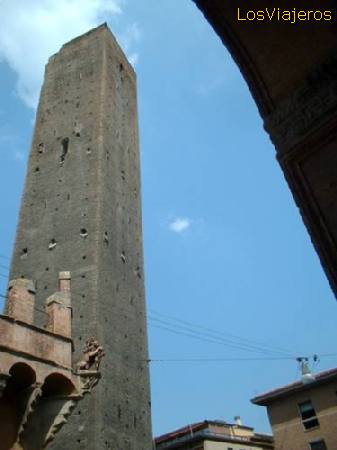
81 211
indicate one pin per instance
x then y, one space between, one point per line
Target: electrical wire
195 331
219 359
36 309
244 343
208 337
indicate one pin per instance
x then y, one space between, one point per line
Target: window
318 445
308 415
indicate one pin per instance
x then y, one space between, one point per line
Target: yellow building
303 414
214 435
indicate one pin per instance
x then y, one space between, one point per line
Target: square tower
81 212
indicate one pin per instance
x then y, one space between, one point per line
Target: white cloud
19 156
32 30
131 36
180 224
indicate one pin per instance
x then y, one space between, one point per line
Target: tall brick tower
81 212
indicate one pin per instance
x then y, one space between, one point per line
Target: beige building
214 435
303 415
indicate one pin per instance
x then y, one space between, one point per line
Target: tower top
101 29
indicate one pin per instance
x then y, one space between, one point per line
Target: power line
210 339
196 331
236 340
188 331
5 257
219 359
201 337
4 267
36 309
3 276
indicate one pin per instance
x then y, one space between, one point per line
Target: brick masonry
81 212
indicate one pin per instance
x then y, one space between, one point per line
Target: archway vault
291 70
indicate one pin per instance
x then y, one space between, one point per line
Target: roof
181 431
292 388
200 430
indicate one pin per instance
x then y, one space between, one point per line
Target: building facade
214 435
81 211
303 415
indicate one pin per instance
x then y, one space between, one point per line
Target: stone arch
51 412
57 384
22 374
291 71
13 402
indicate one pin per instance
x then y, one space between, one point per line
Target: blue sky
225 247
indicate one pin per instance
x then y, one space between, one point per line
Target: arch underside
291 71
31 413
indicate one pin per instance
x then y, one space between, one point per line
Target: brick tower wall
81 212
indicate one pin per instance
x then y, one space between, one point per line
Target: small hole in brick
78 134
84 257
47 268
52 244
77 104
88 150
45 288
68 197
83 296
64 150
121 67
24 253
106 238
83 233
83 276
40 148
37 169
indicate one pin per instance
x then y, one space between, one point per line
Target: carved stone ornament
33 399
61 419
311 105
88 366
92 356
